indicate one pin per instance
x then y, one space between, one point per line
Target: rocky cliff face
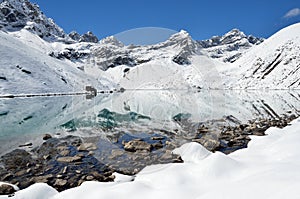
19 14
87 37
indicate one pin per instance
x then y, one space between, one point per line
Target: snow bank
269 168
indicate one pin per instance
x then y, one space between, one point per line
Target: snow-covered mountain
233 60
24 69
110 52
229 47
274 64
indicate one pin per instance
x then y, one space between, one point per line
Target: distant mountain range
38 56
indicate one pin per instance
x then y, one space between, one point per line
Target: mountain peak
235 33
231 37
89 37
21 14
111 40
181 35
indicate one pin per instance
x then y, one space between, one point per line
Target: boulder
6 189
137 145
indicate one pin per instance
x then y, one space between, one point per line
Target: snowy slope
27 70
268 168
274 64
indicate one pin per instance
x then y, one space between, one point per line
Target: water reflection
135 111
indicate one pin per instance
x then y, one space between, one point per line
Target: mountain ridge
234 60
22 14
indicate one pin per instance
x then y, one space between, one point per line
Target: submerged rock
55 157
47 137
137 145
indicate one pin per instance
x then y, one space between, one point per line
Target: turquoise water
22 119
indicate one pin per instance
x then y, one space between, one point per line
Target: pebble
89 178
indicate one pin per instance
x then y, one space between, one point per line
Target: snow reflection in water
23 119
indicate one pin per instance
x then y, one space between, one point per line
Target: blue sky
202 19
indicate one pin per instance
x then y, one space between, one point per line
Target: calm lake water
137 112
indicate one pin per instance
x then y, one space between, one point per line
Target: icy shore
268 168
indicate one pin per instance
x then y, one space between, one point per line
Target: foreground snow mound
273 64
269 168
192 152
36 191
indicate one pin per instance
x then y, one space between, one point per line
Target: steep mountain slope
27 70
274 64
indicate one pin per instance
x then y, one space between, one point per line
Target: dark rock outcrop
19 14
74 35
89 37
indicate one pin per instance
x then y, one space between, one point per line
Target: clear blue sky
202 19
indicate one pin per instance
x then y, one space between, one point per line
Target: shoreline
67 162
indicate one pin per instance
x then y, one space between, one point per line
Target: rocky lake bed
64 162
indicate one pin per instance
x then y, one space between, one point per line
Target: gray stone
60 182
65 152
69 159
43 179
87 147
89 178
